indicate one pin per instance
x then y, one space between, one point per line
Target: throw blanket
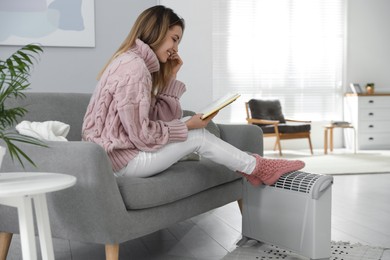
48 130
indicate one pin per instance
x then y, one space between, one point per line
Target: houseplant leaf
14 80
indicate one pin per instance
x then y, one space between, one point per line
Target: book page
218 104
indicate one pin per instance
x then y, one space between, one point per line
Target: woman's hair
151 27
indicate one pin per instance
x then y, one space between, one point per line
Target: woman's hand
197 122
176 63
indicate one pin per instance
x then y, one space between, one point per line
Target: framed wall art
355 88
66 23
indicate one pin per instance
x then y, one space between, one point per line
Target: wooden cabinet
370 115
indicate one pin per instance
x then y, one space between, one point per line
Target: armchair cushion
180 181
266 109
287 128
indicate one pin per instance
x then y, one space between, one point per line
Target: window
280 49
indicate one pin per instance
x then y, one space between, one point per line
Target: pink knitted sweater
124 118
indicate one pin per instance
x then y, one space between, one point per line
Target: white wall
75 69
368 52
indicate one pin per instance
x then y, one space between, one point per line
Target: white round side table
18 189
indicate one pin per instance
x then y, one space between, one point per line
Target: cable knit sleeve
166 105
134 106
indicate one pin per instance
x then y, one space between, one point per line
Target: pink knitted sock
270 170
254 180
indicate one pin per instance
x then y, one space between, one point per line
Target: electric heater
294 213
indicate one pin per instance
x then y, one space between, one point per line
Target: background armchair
268 115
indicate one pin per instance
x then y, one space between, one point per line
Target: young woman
135 113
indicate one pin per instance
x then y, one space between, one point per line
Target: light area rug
362 162
339 251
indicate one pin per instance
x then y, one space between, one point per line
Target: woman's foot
269 171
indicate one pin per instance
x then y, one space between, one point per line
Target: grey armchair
107 210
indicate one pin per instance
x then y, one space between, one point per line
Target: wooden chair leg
277 143
240 205
311 146
112 252
5 242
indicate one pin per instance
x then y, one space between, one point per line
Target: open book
218 104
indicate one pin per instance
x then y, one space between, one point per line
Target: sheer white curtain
291 50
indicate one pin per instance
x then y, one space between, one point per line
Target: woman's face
170 45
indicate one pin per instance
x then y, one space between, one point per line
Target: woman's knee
196 134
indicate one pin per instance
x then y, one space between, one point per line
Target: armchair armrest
91 205
245 137
297 121
262 121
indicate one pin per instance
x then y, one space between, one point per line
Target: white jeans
200 141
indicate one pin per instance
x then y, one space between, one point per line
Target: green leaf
14 80
14 151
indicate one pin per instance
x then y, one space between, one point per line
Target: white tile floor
361 209
360 214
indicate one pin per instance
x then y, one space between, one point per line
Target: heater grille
297 181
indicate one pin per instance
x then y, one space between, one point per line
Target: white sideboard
370 115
